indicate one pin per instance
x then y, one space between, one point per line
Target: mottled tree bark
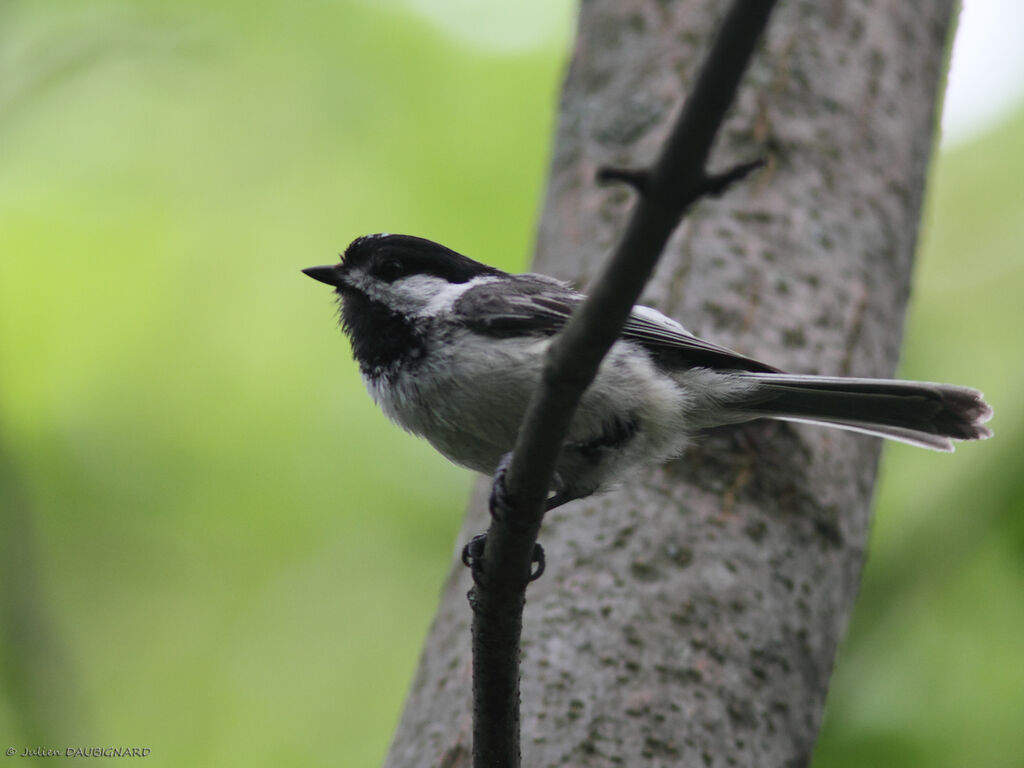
692 617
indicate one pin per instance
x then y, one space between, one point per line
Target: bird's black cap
389 257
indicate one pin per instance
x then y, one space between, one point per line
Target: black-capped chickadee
451 350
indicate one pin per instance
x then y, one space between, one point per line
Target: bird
451 350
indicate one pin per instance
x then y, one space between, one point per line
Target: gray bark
692 616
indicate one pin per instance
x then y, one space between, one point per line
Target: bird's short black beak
325 274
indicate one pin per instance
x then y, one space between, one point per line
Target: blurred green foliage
207 544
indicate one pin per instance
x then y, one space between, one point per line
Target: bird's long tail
915 412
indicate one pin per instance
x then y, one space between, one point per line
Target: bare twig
666 191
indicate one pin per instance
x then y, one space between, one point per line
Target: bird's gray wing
531 305
518 305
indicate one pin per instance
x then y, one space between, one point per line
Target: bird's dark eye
389 269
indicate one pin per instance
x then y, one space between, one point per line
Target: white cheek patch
407 295
422 295
427 294
416 295
362 282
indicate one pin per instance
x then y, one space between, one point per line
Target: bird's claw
473 558
499 504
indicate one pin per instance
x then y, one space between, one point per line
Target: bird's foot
499 504
473 558
501 507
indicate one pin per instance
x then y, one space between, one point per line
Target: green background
212 544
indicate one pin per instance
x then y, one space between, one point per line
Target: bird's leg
501 509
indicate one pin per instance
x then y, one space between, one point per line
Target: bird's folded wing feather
542 306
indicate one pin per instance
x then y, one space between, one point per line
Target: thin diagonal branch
676 181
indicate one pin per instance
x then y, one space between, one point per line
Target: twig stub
716 184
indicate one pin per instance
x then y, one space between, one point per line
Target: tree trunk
692 616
